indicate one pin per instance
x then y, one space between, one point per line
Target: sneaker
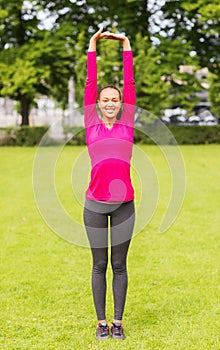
117 331
102 331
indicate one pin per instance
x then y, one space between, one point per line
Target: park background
173 296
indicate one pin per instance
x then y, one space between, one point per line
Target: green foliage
33 61
59 58
198 24
88 15
37 61
178 69
79 67
20 74
195 135
214 93
182 135
18 22
152 91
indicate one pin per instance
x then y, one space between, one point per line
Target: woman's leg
96 225
100 261
122 225
120 278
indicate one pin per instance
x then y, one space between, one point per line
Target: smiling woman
110 194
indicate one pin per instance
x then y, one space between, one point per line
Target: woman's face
109 103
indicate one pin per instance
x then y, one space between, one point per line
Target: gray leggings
96 217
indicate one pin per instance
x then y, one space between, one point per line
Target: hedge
183 135
22 136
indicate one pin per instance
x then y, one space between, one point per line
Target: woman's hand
121 37
97 36
108 35
114 36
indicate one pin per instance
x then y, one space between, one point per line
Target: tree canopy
32 60
43 43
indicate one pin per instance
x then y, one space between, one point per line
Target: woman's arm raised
94 39
129 95
97 36
91 90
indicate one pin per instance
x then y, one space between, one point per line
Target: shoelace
117 329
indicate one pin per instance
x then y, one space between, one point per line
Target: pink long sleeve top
110 150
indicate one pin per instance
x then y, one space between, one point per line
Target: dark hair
110 87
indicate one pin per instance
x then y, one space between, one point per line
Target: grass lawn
174 278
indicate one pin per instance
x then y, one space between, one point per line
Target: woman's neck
109 122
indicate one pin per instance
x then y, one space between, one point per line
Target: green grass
174 280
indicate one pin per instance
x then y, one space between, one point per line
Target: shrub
183 135
22 136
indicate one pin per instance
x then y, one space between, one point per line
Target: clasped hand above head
108 35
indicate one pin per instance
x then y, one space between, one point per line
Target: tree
35 60
198 23
79 66
32 60
38 61
178 70
89 14
16 75
152 91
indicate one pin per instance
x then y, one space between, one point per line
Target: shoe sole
118 338
102 338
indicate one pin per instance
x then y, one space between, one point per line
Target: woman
110 195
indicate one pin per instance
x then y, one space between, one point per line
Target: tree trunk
25 109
